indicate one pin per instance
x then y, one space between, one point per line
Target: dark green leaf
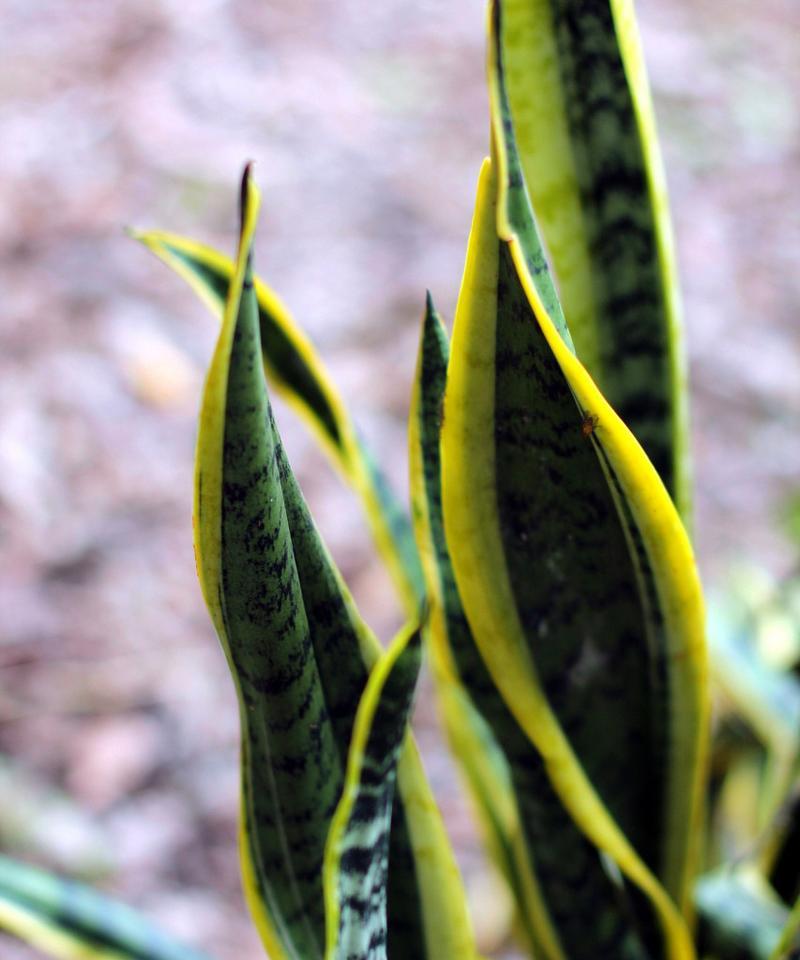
358 855
579 99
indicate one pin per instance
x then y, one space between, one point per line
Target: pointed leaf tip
247 174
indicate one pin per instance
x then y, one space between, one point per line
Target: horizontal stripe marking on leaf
357 857
476 536
299 655
295 370
657 538
574 70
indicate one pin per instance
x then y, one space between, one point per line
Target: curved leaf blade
300 657
522 480
568 903
666 580
250 581
70 921
598 190
295 370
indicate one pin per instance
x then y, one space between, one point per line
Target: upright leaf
297 373
584 125
568 903
583 469
574 570
300 657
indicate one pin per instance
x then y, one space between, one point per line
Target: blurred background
367 122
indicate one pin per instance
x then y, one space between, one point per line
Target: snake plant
545 566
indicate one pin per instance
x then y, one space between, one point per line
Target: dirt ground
367 123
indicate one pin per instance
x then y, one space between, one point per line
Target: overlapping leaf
70 921
573 567
294 369
584 125
568 904
300 658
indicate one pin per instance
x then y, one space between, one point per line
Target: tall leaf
575 572
300 657
584 125
568 904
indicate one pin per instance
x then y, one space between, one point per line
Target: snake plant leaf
585 129
667 614
568 904
300 658
575 572
740 918
357 855
294 369
70 921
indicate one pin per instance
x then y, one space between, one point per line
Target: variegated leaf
70 921
574 569
357 857
583 120
295 370
568 903
300 657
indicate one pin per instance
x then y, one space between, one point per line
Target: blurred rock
112 758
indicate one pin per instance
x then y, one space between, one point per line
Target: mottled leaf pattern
300 658
665 613
584 125
568 903
558 593
70 921
357 857
294 369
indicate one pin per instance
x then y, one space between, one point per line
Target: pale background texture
367 122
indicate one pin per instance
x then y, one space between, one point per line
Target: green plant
549 572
